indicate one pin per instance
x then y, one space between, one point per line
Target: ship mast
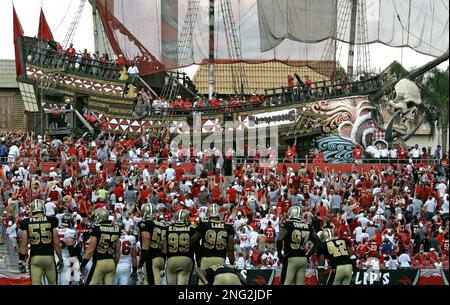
351 48
94 21
211 77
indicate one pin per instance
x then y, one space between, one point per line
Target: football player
180 256
104 249
41 233
217 240
70 272
339 252
220 275
294 234
152 246
127 260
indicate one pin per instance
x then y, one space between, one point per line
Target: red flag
18 32
44 32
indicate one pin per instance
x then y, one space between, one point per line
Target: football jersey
214 235
64 234
179 240
373 249
299 233
157 232
107 235
445 247
127 244
336 251
40 234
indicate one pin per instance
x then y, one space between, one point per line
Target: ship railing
12 250
61 62
236 160
65 120
285 96
326 89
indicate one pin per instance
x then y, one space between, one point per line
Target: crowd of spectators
382 153
52 55
395 217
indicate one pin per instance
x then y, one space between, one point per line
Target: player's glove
22 268
134 275
145 257
83 265
60 264
280 256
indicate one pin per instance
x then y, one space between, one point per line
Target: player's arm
134 258
117 252
230 249
145 254
195 245
351 254
321 269
195 238
283 234
315 239
234 212
164 241
70 243
23 251
90 251
57 244
201 275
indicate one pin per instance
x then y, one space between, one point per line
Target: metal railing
294 95
12 256
68 119
236 160
60 61
326 89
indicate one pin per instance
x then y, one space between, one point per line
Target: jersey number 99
178 242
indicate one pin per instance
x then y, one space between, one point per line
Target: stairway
8 260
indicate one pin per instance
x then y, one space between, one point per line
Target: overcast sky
60 13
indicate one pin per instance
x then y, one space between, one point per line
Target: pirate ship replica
348 108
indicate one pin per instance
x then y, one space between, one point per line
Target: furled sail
163 34
421 25
151 30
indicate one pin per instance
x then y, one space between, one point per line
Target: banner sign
259 276
386 277
267 119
